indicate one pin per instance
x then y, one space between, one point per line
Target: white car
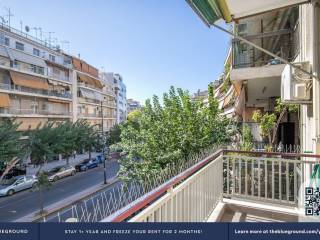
60 172
18 184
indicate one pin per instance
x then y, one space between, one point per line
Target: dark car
87 164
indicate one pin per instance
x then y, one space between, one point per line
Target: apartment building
95 101
40 83
120 90
35 83
133 105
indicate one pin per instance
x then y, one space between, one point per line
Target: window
36 52
20 46
37 69
52 58
6 41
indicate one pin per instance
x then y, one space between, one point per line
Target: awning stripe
26 80
4 100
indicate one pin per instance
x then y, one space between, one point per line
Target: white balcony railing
190 191
20 111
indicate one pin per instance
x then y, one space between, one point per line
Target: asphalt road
26 202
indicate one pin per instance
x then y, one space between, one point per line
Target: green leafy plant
269 122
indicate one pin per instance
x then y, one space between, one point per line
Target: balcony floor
234 213
245 211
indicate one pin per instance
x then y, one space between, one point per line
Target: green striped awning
210 10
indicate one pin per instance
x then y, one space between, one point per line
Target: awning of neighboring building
229 97
30 123
27 58
58 100
91 94
29 81
90 80
212 10
4 100
56 83
240 102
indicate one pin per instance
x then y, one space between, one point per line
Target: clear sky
153 44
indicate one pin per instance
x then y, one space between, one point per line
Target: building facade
133 105
40 83
120 91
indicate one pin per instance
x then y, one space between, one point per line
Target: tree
247 139
68 139
43 144
269 122
161 134
11 148
113 136
43 183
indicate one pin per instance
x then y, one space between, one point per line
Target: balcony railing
44 73
284 43
105 103
191 191
95 115
20 111
16 88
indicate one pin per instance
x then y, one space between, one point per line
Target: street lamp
103 146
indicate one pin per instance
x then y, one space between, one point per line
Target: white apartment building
40 83
120 91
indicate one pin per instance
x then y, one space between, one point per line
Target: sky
153 44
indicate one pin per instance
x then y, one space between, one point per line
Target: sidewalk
72 162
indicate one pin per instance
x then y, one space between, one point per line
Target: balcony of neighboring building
277 32
14 106
20 61
23 84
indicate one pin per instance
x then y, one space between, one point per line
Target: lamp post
103 146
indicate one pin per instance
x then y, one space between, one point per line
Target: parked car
87 164
18 184
60 172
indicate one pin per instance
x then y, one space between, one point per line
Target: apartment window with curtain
36 52
20 46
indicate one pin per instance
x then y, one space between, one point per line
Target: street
26 202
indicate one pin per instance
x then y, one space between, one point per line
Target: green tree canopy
170 132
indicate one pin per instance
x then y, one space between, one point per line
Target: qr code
312 201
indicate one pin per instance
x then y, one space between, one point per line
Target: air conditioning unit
295 84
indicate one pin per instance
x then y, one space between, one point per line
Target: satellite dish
27 28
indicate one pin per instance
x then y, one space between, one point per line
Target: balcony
21 89
215 185
94 115
20 111
97 102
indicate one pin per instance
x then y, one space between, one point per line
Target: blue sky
153 44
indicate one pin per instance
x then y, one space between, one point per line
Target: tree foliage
269 122
10 143
160 134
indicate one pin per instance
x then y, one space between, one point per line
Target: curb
60 205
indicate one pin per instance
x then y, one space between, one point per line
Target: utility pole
103 155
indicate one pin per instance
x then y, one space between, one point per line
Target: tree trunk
275 129
41 200
67 159
89 155
9 166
